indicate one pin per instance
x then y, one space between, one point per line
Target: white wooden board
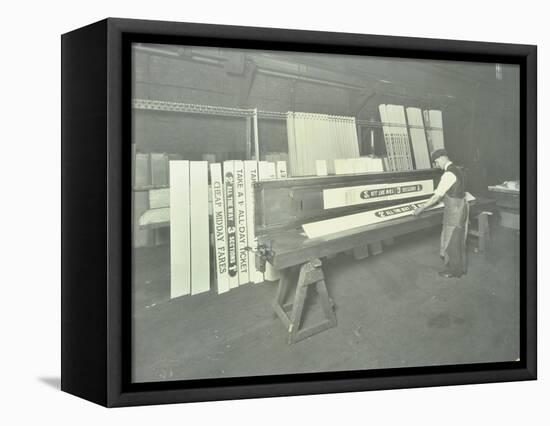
142 174
365 194
418 139
140 206
281 169
267 170
344 166
360 165
434 120
159 172
313 137
251 176
388 140
343 223
220 230
229 185
242 230
321 167
180 230
155 216
200 234
375 165
159 198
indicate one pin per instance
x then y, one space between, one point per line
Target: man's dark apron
454 233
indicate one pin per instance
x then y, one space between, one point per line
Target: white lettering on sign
343 223
220 235
364 194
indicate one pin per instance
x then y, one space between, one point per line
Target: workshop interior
273 212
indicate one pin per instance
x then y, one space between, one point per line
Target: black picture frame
96 232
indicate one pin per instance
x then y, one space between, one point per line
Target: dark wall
480 112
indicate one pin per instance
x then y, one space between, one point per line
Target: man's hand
419 211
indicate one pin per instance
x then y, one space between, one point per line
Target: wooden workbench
293 249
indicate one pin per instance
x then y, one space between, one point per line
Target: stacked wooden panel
281 170
434 121
200 233
231 238
396 137
219 227
180 229
267 170
241 223
313 137
418 139
321 168
251 176
150 180
230 219
159 169
189 228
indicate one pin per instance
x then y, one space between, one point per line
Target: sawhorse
310 273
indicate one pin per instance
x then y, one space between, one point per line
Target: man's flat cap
439 153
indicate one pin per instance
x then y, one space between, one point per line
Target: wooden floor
393 310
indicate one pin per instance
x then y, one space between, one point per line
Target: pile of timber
396 137
434 121
426 135
313 137
226 191
150 178
418 139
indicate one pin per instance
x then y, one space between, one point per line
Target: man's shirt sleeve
448 179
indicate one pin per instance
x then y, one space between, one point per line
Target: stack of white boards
233 232
426 135
189 228
396 137
434 121
235 236
150 172
267 170
418 139
346 166
313 137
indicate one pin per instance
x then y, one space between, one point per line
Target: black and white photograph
304 212
244 213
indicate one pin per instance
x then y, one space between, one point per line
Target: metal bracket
264 253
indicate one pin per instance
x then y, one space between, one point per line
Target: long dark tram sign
364 194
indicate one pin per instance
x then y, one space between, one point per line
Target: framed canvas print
252 212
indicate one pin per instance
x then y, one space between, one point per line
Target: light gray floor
393 310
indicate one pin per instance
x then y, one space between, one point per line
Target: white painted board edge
180 229
242 229
200 232
251 176
220 228
230 214
343 223
281 169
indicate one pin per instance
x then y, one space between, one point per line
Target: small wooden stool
310 273
483 231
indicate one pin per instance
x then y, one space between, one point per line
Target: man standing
455 215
